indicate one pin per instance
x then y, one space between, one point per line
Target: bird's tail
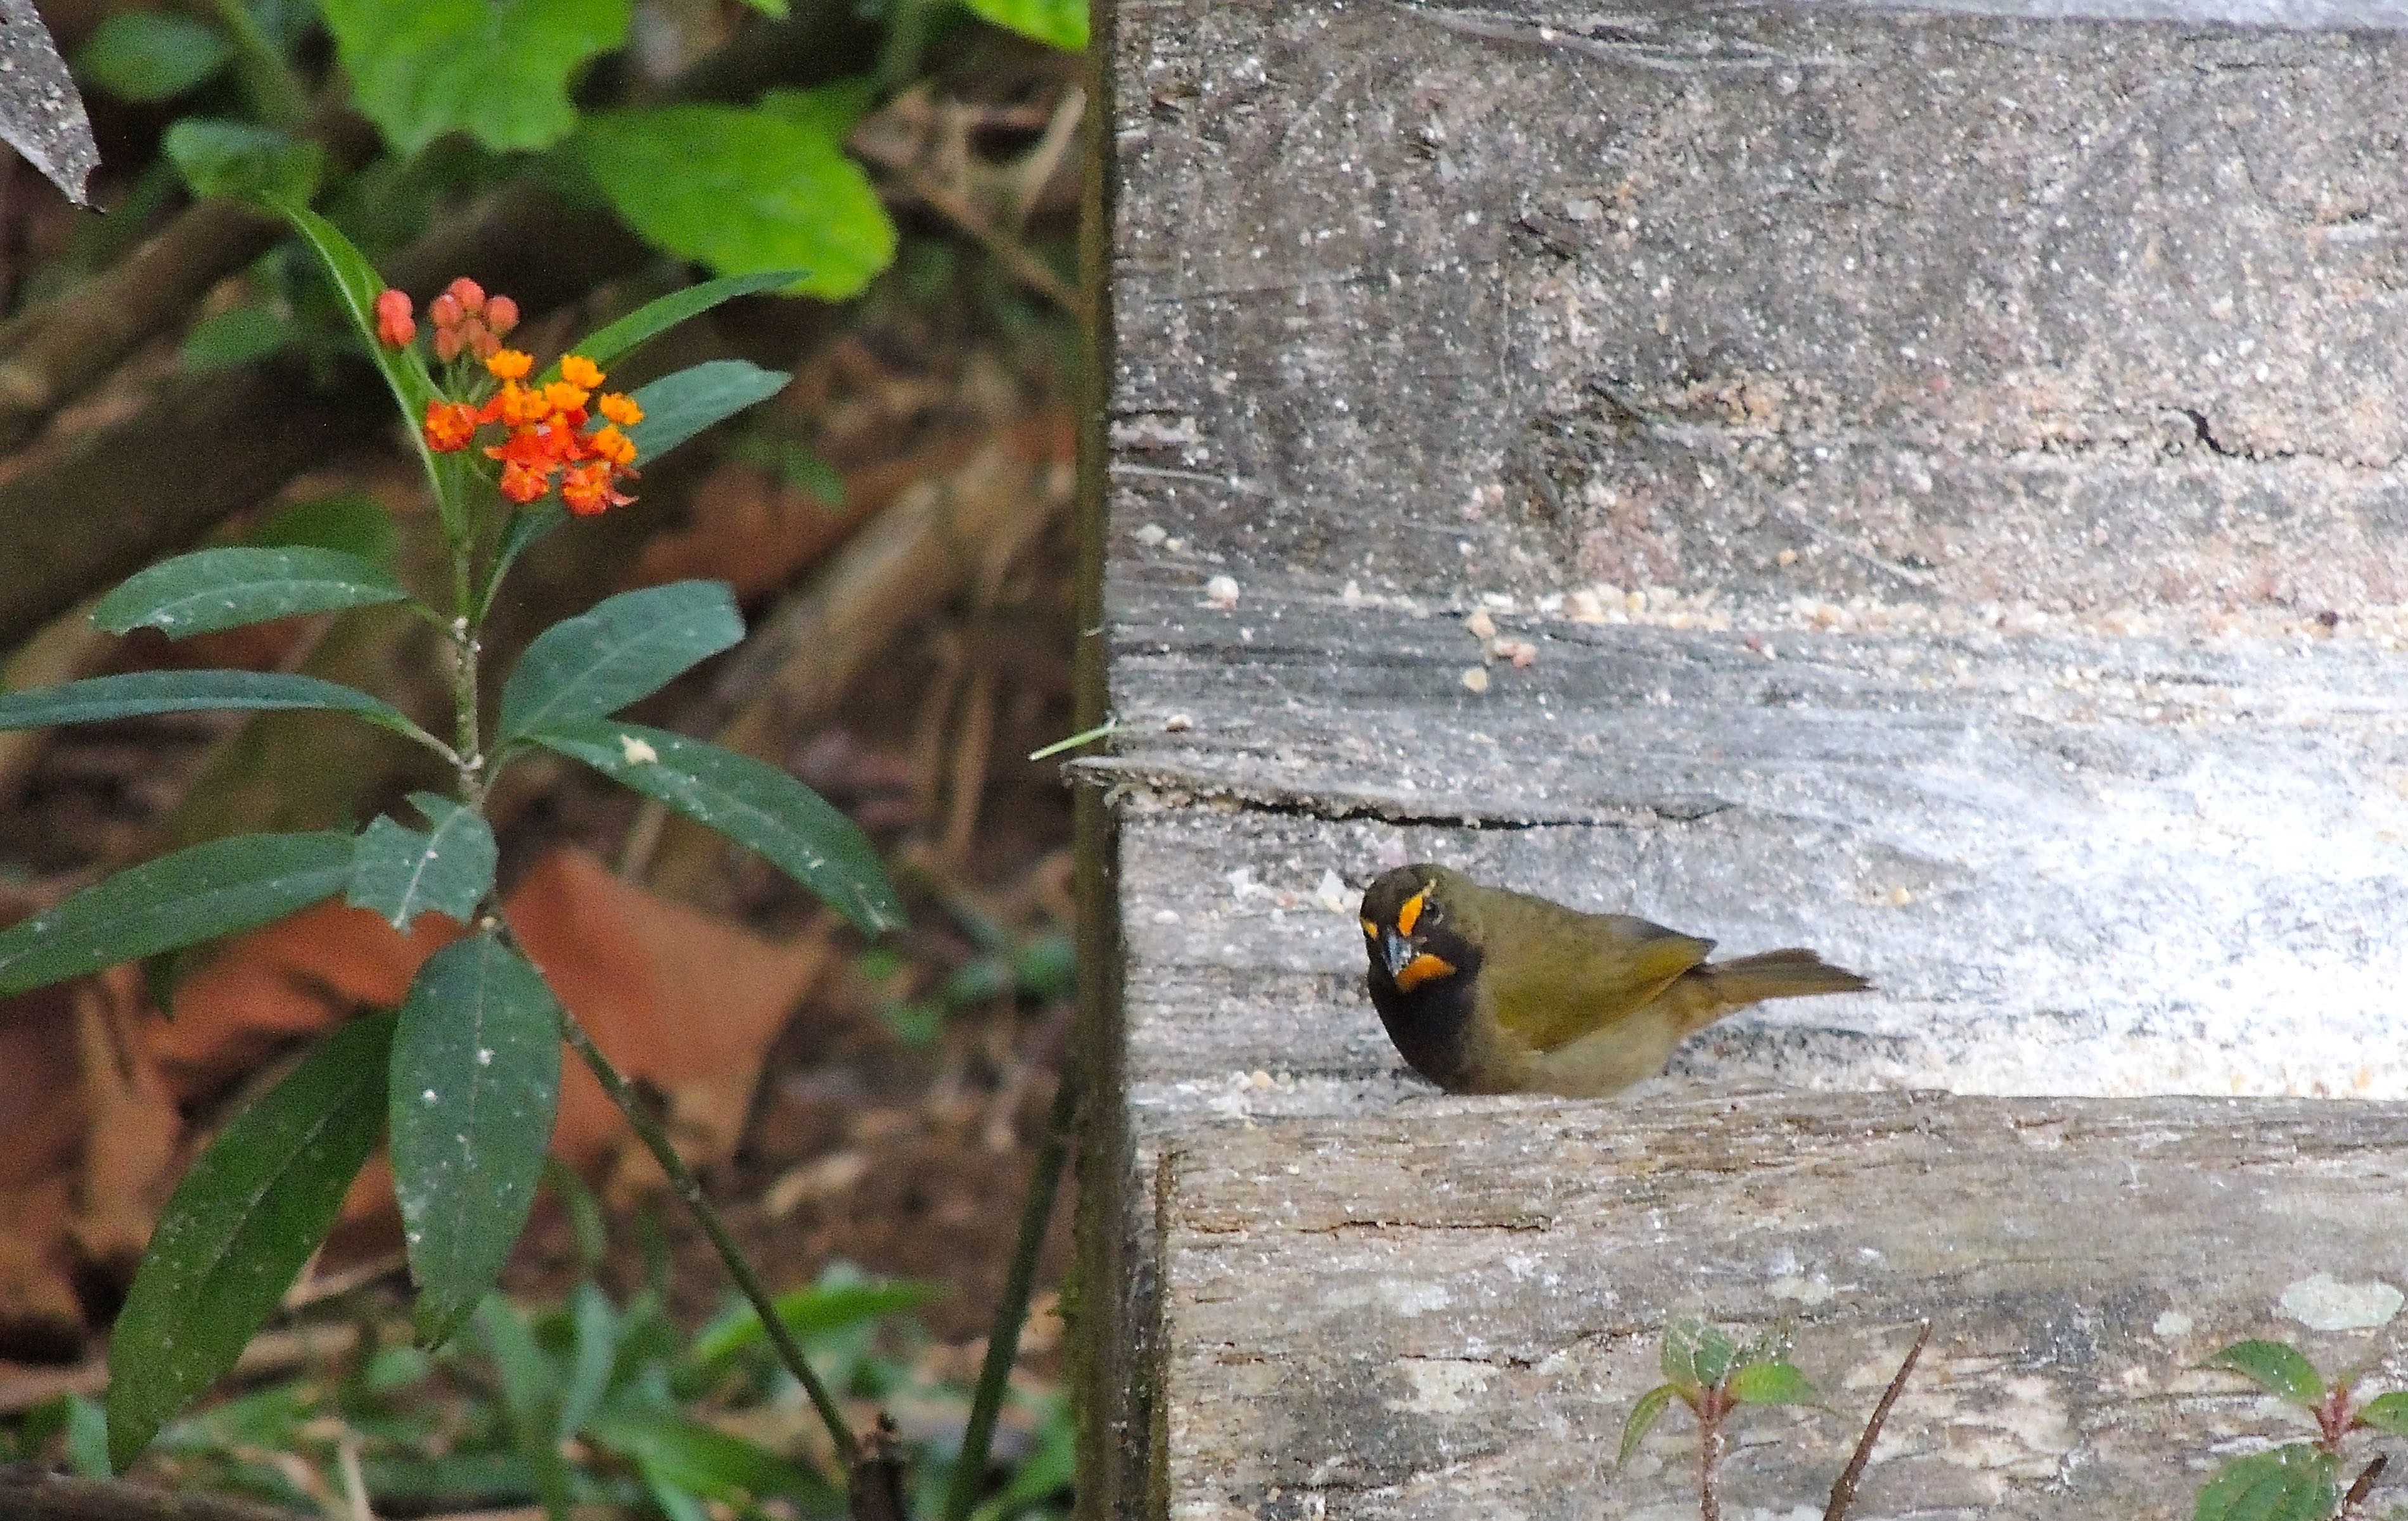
1793 972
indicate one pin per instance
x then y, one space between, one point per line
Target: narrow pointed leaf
199 893
358 284
1773 1384
758 806
678 406
475 1085
140 694
696 1458
2289 1484
2277 1367
225 588
654 318
812 1310
241 1223
401 872
1644 1416
628 647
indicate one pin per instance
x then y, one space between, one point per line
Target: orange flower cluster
548 430
550 437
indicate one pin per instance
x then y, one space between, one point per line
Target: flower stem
275 90
682 1179
1003 1338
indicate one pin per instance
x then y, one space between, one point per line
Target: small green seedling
2298 1481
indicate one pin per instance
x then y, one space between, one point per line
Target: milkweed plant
463 1079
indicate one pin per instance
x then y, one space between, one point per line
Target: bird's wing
1622 964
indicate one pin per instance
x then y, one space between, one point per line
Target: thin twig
1003 1339
2362 1485
681 1178
1843 1489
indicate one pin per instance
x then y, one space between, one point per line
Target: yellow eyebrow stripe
1410 914
1370 930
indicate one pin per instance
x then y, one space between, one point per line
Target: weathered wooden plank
1815 298
1451 1310
2073 865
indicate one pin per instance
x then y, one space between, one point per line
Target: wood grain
1450 1311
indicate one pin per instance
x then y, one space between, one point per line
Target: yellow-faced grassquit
1489 991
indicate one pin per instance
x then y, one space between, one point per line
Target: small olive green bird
1489 991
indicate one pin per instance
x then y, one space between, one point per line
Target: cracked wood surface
1450 1311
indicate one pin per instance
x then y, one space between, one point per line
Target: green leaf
774 9
626 647
698 1458
1644 1416
199 893
1697 1356
357 285
808 1311
1059 23
2277 1367
2385 1412
832 109
401 872
241 1223
234 336
243 161
149 56
139 693
741 190
498 70
87 1441
225 589
678 406
607 344
2289 1484
758 806
1773 1382
476 1082
354 523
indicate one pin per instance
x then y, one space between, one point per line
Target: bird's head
1414 935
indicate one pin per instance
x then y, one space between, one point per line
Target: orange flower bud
620 409
447 343
395 327
445 310
468 293
509 364
580 370
481 341
501 314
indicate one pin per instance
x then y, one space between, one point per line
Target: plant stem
681 1178
1843 1489
1003 1338
1710 1459
2363 1487
468 649
277 93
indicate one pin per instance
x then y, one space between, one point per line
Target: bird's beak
1398 950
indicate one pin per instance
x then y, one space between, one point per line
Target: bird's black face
1407 932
